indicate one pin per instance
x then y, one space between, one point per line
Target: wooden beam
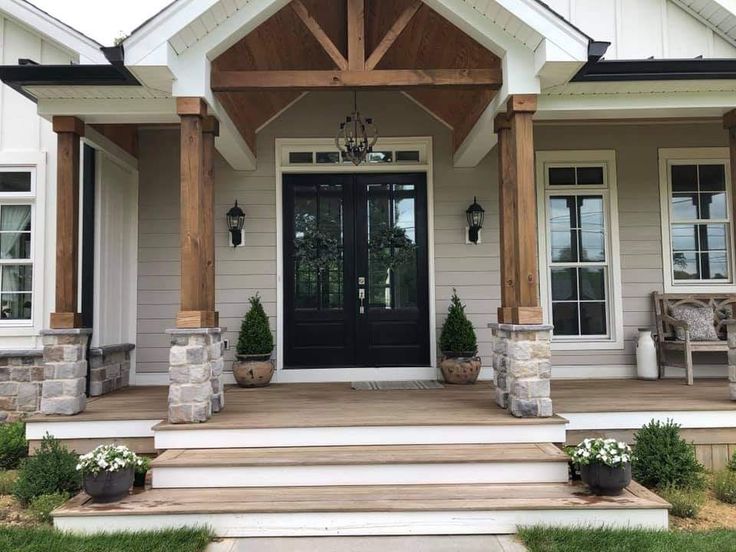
210 130
507 216
238 81
195 311
356 35
69 130
314 27
520 110
392 34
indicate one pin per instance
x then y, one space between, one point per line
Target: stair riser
348 436
371 523
382 474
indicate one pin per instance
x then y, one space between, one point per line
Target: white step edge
347 436
368 474
110 429
315 524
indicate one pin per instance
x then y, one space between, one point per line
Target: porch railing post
521 342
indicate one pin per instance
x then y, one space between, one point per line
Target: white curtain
15 218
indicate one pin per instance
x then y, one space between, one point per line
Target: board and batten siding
640 233
25 138
639 29
243 271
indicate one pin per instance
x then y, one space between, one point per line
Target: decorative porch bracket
521 342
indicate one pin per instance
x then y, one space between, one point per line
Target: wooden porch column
507 212
197 300
211 129
518 207
729 123
69 130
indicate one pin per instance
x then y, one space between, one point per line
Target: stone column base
522 368
195 374
65 371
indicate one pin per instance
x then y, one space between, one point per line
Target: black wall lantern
235 223
475 214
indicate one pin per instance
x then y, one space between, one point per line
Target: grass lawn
46 539
609 540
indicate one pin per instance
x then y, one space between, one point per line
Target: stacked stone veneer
522 368
109 368
195 375
731 329
21 378
65 371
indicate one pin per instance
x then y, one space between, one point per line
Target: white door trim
282 145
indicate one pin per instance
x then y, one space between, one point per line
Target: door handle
361 296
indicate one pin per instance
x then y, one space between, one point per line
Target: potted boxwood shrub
459 346
605 465
141 469
107 472
254 367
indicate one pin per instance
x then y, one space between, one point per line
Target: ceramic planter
604 480
461 369
108 486
253 370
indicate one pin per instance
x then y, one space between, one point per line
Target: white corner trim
695 155
607 158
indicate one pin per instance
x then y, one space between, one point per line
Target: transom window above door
580 274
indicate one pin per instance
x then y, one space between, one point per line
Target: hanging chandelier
357 136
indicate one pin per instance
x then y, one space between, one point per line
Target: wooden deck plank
362 499
361 455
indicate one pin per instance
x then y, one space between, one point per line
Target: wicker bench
666 326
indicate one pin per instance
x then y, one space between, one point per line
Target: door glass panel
392 255
318 247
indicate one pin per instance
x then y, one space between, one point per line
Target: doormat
396 385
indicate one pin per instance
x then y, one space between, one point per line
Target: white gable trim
714 14
64 36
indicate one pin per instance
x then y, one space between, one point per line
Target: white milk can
646 356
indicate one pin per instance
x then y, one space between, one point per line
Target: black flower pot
604 480
108 486
140 479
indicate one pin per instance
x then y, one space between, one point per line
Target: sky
103 20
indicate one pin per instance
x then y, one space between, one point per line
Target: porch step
243 434
360 465
366 510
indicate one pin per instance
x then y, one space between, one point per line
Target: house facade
598 137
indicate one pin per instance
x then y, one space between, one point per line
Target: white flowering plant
610 452
107 458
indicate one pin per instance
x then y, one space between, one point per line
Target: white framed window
580 275
17 214
697 219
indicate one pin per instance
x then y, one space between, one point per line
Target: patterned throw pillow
700 322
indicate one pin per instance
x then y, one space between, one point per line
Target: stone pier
65 371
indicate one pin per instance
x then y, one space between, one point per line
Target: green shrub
724 486
686 503
13 445
458 335
7 481
732 463
43 505
255 333
662 458
52 470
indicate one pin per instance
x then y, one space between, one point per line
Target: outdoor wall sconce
474 214
235 223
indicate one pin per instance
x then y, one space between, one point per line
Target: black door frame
424 233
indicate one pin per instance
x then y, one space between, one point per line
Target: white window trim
615 302
695 156
35 162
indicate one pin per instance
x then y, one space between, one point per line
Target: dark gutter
28 73
602 70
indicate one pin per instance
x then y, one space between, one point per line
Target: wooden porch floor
336 404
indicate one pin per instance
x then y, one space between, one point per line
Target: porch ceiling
402 43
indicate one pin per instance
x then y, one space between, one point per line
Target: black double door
355 270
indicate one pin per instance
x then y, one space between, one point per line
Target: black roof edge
598 69
113 74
